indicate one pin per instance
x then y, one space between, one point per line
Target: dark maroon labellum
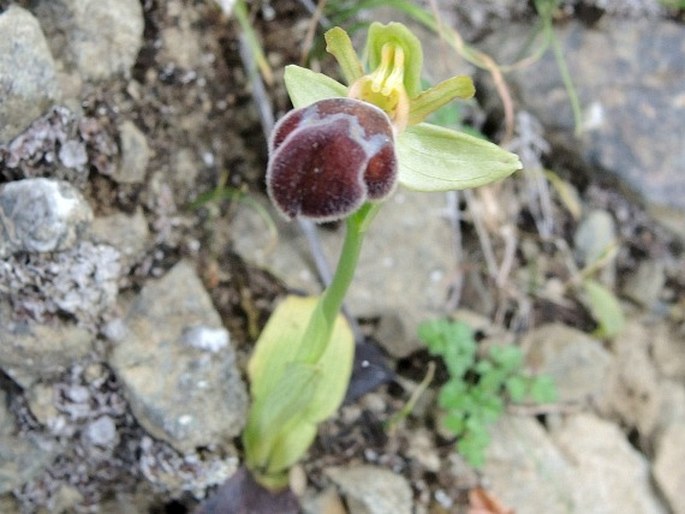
328 158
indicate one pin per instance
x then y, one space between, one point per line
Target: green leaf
472 447
454 422
293 441
273 413
433 158
447 338
453 395
306 86
508 357
605 308
517 387
290 397
489 405
279 343
397 34
543 389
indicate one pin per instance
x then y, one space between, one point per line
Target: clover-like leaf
433 158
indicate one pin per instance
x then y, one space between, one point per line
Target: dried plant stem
259 94
483 237
454 217
311 30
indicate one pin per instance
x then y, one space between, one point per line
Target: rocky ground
139 260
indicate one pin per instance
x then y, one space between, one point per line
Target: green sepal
306 86
339 45
433 158
397 34
432 99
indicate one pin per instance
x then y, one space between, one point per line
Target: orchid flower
339 154
344 145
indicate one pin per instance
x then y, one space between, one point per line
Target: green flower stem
318 331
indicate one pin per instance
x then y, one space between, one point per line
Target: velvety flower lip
327 159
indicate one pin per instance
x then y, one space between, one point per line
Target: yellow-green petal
432 99
339 45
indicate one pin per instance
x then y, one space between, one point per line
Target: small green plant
479 387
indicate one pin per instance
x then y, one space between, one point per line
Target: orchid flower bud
327 159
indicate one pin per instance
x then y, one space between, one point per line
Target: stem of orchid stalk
320 325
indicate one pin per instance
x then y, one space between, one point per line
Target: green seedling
479 387
341 152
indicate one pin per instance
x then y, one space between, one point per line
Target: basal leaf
306 86
293 441
291 396
278 345
434 158
271 414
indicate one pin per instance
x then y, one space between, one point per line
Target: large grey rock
181 42
578 364
402 275
595 236
195 473
668 349
525 470
128 234
669 471
135 154
31 351
585 465
21 459
404 269
9 503
81 282
629 76
372 490
99 38
644 285
41 215
177 365
28 82
672 404
634 393
607 471
54 146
